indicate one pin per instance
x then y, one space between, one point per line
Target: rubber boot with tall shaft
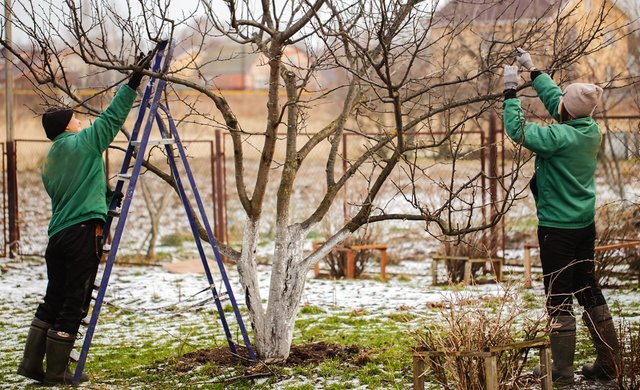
59 346
603 334
563 347
34 350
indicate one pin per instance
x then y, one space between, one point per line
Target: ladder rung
162 141
113 213
221 295
124 176
106 248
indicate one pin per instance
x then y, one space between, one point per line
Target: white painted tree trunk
273 328
249 277
285 291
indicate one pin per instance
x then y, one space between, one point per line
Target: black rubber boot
563 348
34 349
59 346
603 334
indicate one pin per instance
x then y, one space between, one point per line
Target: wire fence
34 207
617 178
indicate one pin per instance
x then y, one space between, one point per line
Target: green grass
311 309
175 239
141 350
124 355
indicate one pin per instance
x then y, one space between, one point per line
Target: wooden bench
490 358
496 265
351 258
527 256
441 258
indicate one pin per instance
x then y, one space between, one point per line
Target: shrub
472 245
617 223
467 326
337 260
629 377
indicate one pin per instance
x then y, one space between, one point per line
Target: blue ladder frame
151 100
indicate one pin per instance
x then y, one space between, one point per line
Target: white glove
524 58
510 77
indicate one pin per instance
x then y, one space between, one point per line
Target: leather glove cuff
535 73
135 80
509 93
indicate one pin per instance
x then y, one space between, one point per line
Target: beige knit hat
580 99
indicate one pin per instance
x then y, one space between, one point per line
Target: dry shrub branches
481 326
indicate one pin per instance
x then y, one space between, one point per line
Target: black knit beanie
55 121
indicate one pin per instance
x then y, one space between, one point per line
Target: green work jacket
566 159
73 172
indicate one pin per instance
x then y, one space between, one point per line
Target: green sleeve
549 93
104 129
543 140
513 117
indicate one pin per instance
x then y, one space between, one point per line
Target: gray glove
524 58
510 77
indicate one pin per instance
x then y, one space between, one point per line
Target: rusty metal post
220 229
12 166
493 182
3 165
223 169
483 180
12 197
344 172
212 166
503 223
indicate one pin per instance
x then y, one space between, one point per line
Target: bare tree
422 79
156 208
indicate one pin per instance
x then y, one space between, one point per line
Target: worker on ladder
74 177
565 193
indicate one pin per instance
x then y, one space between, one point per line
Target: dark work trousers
72 256
569 269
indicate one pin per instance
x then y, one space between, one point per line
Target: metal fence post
344 172
12 169
12 192
3 165
220 220
493 182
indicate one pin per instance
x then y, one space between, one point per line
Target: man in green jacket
564 191
74 177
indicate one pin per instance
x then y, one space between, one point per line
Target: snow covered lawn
153 316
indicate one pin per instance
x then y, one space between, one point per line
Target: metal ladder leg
123 215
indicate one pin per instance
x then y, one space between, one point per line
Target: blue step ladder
138 143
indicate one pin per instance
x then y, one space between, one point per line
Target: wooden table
351 258
527 256
496 264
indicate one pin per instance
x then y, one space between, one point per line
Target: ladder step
162 141
106 248
124 176
113 213
221 296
